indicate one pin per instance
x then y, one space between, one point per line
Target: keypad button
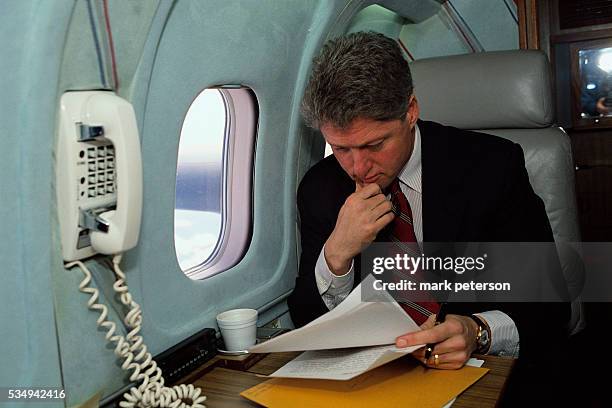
110 176
101 191
101 152
101 177
101 165
110 151
92 179
91 192
110 188
91 153
92 166
110 164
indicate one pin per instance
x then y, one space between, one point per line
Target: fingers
376 201
453 342
450 345
371 207
428 324
447 361
367 190
382 208
435 334
383 221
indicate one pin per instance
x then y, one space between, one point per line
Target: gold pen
439 319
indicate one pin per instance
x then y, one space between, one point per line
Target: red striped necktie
402 234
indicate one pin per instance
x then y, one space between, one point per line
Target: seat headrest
488 90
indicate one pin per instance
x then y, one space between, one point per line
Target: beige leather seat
508 94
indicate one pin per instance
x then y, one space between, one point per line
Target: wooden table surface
223 385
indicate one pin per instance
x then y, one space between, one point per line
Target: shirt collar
411 173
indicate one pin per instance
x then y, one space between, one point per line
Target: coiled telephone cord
131 348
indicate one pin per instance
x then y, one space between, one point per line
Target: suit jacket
475 188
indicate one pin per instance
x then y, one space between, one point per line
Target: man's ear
413 110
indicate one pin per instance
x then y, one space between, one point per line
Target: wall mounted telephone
99 202
99 174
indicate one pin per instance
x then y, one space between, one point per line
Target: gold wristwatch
483 337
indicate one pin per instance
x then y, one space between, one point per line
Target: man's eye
375 146
340 149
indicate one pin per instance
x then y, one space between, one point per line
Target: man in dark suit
461 187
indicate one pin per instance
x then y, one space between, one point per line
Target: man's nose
361 164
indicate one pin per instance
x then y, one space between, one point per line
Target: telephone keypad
100 170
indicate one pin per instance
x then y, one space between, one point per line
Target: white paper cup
238 328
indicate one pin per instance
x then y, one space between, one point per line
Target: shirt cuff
332 288
505 339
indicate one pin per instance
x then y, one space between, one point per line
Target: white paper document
349 340
340 364
353 323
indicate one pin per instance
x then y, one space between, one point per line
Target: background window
206 197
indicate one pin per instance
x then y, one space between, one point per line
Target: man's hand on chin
454 339
363 215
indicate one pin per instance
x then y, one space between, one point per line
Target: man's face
372 151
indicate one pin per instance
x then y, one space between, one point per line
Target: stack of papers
355 343
349 340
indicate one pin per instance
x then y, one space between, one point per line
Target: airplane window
197 214
207 197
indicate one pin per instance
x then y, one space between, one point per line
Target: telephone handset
99 174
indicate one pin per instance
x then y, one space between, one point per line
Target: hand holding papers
355 338
353 323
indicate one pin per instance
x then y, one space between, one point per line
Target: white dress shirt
334 289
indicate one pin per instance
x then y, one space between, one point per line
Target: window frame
238 160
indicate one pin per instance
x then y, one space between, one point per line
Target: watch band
483 337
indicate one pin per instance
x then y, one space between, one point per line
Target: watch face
484 338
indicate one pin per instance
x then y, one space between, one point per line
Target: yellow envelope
402 383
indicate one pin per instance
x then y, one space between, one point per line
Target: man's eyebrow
376 141
373 142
